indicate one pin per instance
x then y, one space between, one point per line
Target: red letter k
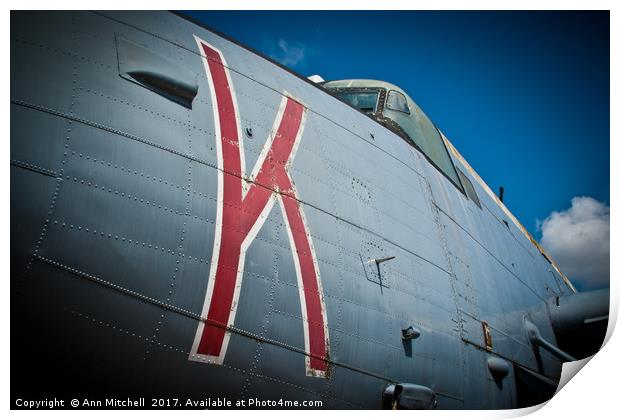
241 212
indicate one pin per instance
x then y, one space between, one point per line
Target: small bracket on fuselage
374 270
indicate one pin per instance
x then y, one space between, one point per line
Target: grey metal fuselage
113 211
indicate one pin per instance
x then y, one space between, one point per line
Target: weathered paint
114 203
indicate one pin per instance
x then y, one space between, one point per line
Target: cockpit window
395 110
397 102
423 133
365 100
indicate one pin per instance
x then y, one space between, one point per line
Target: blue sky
523 95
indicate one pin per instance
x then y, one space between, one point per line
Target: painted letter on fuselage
243 205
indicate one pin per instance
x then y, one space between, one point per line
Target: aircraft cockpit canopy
393 108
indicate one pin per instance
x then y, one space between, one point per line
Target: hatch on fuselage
393 108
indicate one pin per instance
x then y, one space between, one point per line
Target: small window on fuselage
396 101
469 188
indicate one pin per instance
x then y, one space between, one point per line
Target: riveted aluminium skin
113 202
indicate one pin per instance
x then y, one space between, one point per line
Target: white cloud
578 240
288 53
